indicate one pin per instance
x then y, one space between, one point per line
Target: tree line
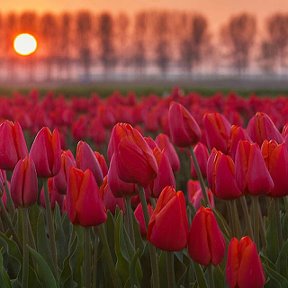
161 41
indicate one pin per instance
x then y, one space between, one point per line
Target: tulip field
158 191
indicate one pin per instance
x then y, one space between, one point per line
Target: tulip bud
202 155
221 176
84 204
206 243
276 158
110 201
244 268
168 225
165 145
86 159
139 215
184 130
12 145
133 157
217 131
24 183
195 195
102 163
252 175
61 179
46 153
261 127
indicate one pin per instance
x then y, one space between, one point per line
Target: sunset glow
25 44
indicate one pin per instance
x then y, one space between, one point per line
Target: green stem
200 177
236 219
255 220
108 257
10 224
10 203
247 216
51 231
129 214
261 226
87 258
278 222
95 258
170 269
152 249
210 276
25 265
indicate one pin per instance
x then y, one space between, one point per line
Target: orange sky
217 11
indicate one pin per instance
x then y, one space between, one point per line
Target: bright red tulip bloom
276 158
195 195
54 195
164 144
252 175
202 155
261 127
184 130
110 201
206 243
221 176
217 131
168 225
237 134
165 176
133 157
46 153
86 159
139 215
12 145
61 179
84 204
3 179
102 162
24 183
244 268
118 187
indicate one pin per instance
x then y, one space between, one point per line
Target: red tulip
217 131
206 243
118 187
12 145
276 158
202 155
139 215
133 157
221 176
184 130
252 174
102 163
24 183
110 201
261 127
86 159
46 153
165 176
61 179
168 225
84 204
244 268
195 195
165 145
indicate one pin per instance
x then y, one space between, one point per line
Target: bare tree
192 45
83 40
277 30
238 36
267 58
106 41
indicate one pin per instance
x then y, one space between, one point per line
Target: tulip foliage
98 193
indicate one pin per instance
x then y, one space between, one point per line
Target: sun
25 44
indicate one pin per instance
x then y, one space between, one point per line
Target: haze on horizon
217 11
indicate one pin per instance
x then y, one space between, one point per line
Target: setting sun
25 44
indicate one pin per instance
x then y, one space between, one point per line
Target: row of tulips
119 221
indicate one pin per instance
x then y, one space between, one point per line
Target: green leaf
223 224
281 262
4 277
200 276
43 270
219 279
